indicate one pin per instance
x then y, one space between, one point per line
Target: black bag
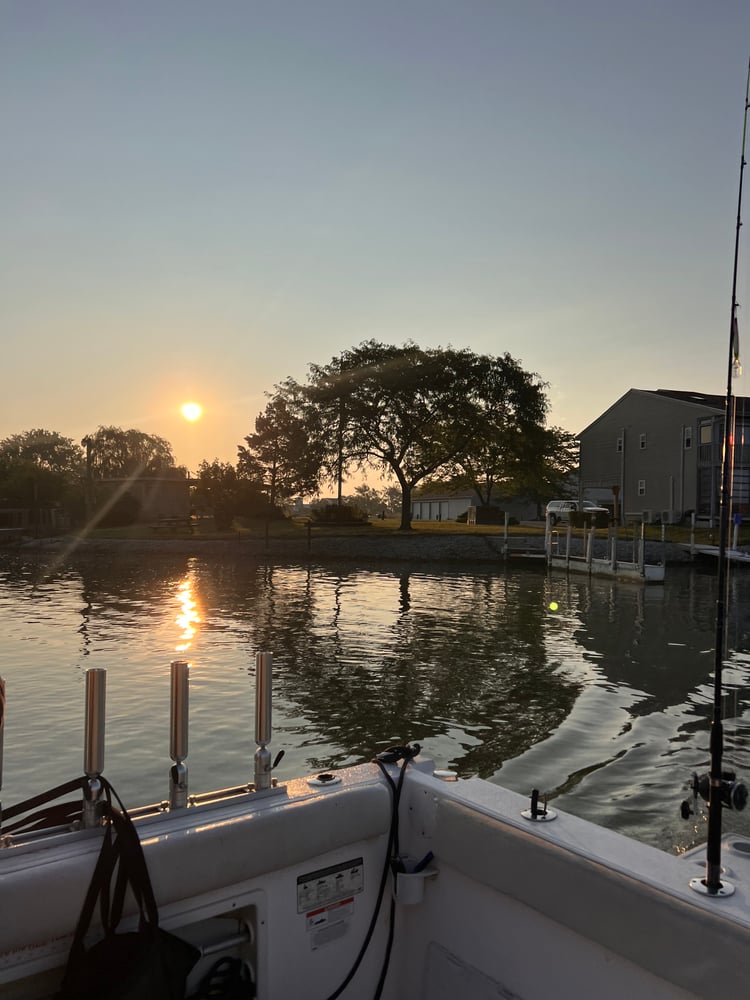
145 964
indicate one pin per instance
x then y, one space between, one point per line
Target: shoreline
420 548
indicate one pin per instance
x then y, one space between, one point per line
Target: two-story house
656 455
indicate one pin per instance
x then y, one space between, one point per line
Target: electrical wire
390 756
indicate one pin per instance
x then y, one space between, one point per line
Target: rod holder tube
93 754
178 733
263 671
96 700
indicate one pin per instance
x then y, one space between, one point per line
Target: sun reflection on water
188 619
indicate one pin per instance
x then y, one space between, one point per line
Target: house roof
701 398
704 400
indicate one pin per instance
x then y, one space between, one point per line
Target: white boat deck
507 907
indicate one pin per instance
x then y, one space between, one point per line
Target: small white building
442 506
450 506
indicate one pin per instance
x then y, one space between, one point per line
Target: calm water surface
603 702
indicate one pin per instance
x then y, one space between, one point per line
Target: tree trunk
405 508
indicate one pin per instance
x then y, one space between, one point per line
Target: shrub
343 514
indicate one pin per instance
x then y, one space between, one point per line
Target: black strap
63 812
132 872
121 860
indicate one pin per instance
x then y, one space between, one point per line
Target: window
642 441
687 437
619 445
706 433
641 487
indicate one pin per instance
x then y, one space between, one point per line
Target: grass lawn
298 529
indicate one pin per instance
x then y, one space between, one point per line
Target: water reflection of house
155 497
449 506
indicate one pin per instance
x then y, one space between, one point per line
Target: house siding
157 497
661 478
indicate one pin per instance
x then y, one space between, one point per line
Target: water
603 702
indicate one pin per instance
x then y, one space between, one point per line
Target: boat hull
296 871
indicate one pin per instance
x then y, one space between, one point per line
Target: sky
199 200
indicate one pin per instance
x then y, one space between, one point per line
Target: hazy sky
200 199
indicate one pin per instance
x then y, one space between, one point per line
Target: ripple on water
602 702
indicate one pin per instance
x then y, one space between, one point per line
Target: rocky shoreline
412 548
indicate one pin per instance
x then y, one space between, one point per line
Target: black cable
396 853
391 756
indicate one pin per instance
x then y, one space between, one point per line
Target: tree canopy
228 494
285 452
418 413
43 449
38 467
114 453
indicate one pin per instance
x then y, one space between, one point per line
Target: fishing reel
733 792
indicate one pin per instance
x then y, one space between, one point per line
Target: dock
571 552
635 570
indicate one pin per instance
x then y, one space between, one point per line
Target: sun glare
191 411
188 619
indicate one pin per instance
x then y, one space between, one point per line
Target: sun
191 411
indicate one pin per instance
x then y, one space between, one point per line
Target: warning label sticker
330 914
319 891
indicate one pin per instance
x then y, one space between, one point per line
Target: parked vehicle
560 510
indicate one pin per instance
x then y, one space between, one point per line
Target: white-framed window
619 445
687 437
641 487
642 441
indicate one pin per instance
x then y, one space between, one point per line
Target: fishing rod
723 789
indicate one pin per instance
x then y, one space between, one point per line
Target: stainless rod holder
263 671
178 733
93 754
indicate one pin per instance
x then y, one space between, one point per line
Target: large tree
39 467
114 453
552 458
507 449
284 453
44 449
228 494
417 412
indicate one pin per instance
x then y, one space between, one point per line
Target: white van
559 510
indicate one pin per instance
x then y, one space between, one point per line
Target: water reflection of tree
479 667
454 655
